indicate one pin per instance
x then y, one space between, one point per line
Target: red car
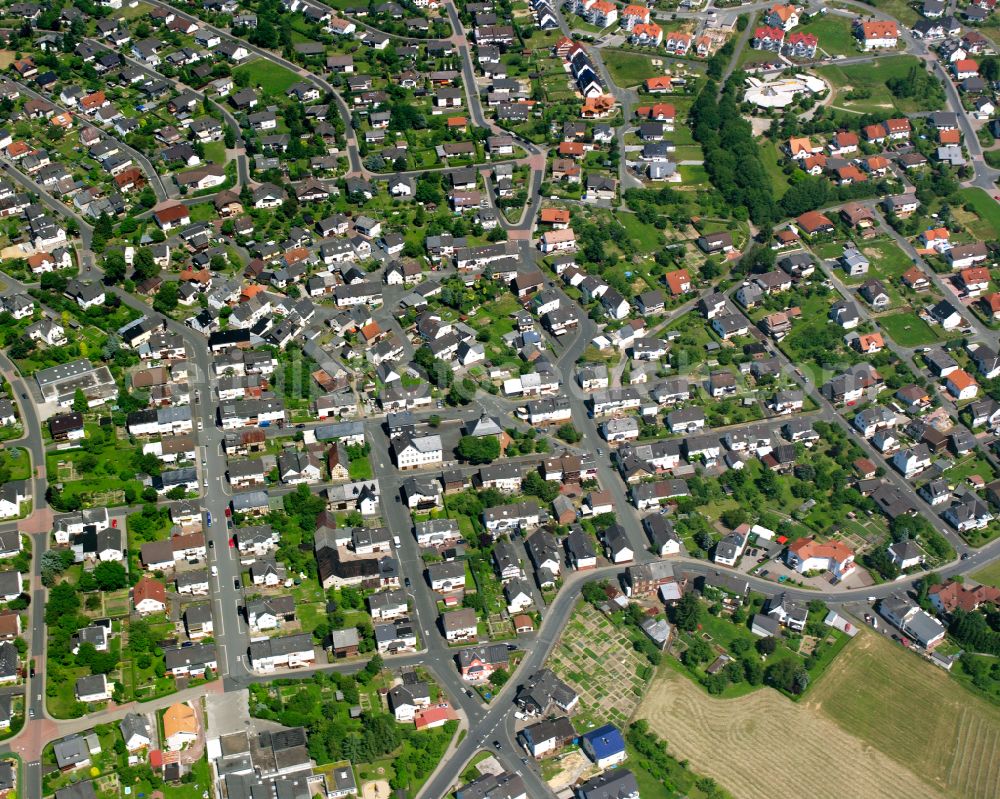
232 542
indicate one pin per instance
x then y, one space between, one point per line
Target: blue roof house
604 746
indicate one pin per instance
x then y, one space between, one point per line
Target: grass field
988 211
807 747
646 237
273 79
900 10
873 76
833 32
750 57
630 69
693 176
908 330
132 13
915 714
887 259
17 463
215 151
769 157
898 726
990 575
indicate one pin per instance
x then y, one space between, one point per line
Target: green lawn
200 785
750 57
580 24
988 211
886 258
202 212
629 69
769 157
901 10
14 464
644 236
834 33
273 79
660 781
968 466
990 575
908 330
215 151
693 175
360 468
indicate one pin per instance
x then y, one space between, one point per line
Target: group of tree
149 523
296 526
920 85
534 485
63 618
788 675
568 433
634 617
478 449
53 563
732 156
746 665
333 735
675 775
438 372
977 631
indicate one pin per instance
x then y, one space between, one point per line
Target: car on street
31 713
497 744
232 542
406 582
215 571
236 583
208 517
211 544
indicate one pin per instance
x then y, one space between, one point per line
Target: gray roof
493 786
70 751
542 689
614 784
190 656
134 724
345 638
82 790
91 684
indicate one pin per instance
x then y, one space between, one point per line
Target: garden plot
597 659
